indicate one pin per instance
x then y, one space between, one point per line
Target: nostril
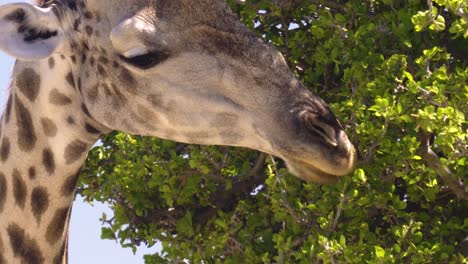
314 123
326 132
318 129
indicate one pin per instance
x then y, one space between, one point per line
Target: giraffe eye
146 61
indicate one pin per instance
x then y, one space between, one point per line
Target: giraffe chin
309 173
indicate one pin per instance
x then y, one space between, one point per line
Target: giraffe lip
310 173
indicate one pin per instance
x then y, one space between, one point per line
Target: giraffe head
182 70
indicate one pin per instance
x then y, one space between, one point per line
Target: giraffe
182 70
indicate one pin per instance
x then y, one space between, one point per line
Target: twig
278 175
459 11
433 161
339 210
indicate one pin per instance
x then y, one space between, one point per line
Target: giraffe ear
28 32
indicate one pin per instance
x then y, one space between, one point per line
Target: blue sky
85 247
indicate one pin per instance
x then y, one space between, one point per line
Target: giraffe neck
45 134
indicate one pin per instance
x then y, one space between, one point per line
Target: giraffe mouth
310 173
324 160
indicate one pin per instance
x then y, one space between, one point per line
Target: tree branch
459 11
339 211
433 162
223 199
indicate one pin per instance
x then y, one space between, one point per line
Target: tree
395 73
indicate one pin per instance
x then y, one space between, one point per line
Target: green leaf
421 20
379 252
386 83
107 233
342 240
438 24
184 225
360 175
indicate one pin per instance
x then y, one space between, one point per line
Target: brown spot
76 24
83 58
68 187
58 98
103 60
61 258
39 202
56 226
51 62
155 100
73 46
75 150
32 172
102 71
8 109
128 81
5 149
73 59
70 120
79 84
48 160
19 189
23 246
49 127
26 135
18 16
120 98
89 30
115 64
93 92
92 130
3 191
29 83
85 110
70 79
88 15
92 61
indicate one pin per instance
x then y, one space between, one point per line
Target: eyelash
148 60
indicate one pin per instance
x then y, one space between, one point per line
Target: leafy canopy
395 73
